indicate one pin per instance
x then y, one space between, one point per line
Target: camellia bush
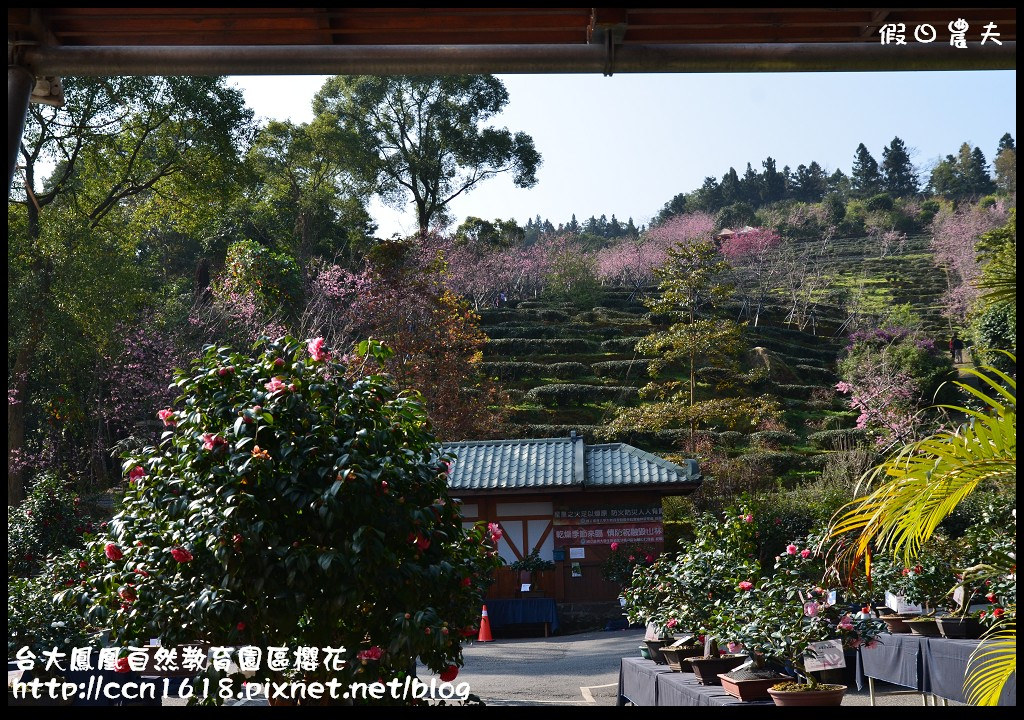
286 505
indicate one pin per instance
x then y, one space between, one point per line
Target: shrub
539 346
772 439
565 370
810 373
49 520
587 432
882 201
621 369
771 463
35 619
512 370
837 439
574 394
288 504
798 392
733 439
622 344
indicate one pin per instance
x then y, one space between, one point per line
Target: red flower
225 371
422 543
614 546
113 552
212 442
128 595
82 564
495 530
906 571
316 350
136 472
468 632
450 673
991 597
121 665
631 558
240 627
998 612
746 585
649 558
466 582
140 571
181 555
671 623
167 415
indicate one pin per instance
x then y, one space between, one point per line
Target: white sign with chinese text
827 655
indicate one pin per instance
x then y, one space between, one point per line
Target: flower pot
926 626
957 627
654 647
822 696
897 623
706 670
676 657
645 653
747 689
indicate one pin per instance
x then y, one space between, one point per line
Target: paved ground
575 670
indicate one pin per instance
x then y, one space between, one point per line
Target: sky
625 145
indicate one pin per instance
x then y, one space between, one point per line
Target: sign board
525 587
899 604
607 515
577 553
577 570
607 534
826 655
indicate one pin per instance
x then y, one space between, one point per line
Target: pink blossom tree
755 257
954 236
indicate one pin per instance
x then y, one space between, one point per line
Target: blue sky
628 143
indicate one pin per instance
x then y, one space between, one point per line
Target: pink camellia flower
805 553
632 558
449 674
746 585
734 647
614 546
136 473
316 350
791 549
167 416
671 623
372 653
275 385
495 530
811 609
181 555
871 644
748 518
845 623
113 552
649 558
212 441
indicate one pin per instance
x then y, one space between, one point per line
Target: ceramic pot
707 670
824 696
676 657
928 627
957 627
896 623
753 689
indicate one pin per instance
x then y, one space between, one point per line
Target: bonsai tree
704 579
531 563
624 558
648 593
286 505
930 580
781 616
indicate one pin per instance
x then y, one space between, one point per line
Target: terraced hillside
568 368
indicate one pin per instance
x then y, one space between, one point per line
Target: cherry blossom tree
755 257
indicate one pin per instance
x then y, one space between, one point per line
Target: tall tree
773 183
731 190
133 158
751 186
978 179
1005 143
426 136
811 183
304 197
900 179
1006 170
865 177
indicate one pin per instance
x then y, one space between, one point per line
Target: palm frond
924 482
991 665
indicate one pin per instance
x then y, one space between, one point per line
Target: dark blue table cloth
514 611
638 681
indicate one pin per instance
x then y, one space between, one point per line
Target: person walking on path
956 348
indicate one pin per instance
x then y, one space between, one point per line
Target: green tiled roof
561 464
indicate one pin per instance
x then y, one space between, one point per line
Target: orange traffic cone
485 628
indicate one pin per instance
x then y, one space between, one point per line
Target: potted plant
928 583
530 564
786 615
